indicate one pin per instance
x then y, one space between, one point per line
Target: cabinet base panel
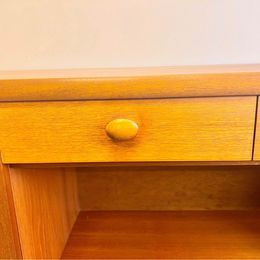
165 235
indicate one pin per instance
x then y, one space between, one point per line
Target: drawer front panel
192 129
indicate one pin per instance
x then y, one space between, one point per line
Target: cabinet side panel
47 207
256 152
9 237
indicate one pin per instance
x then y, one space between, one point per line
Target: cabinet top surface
127 72
124 83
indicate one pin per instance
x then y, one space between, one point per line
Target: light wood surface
9 237
200 129
128 72
257 134
165 235
46 208
131 164
131 83
169 188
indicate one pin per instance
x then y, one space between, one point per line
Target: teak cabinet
130 163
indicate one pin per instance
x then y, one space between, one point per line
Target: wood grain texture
165 235
256 155
199 129
130 83
169 188
46 207
9 237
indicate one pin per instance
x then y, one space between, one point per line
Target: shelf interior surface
165 235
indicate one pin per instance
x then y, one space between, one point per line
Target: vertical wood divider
10 247
46 205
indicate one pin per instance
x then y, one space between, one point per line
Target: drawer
188 129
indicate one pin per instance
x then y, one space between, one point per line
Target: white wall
41 34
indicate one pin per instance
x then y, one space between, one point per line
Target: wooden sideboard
141 163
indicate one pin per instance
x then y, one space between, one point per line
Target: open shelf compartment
138 212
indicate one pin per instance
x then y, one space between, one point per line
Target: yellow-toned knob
122 129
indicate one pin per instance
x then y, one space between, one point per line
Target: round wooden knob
122 129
